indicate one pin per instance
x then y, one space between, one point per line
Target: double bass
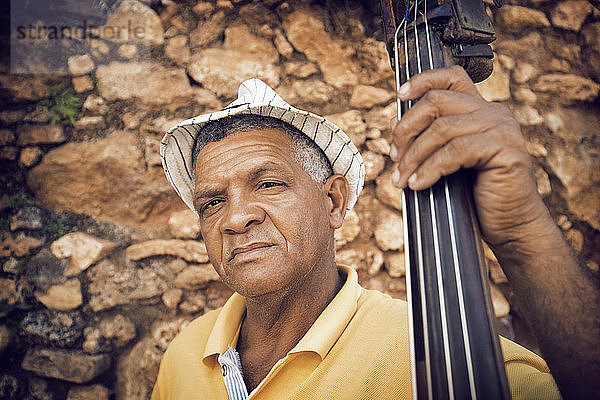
455 351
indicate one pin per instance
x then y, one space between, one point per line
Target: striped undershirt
232 374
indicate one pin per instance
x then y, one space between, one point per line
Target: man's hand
452 127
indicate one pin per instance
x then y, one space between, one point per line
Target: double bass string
436 247
461 300
450 346
417 213
425 329
407 256
434 223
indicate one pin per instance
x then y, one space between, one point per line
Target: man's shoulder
195 334
375 305
373 298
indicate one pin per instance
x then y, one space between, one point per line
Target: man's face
263 218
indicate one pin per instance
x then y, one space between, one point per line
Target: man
300 327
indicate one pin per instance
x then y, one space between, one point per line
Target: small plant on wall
64 106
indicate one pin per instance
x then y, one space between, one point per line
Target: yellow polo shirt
358 348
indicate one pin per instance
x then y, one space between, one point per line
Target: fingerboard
455 351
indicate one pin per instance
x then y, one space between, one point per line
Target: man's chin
258 290
256 277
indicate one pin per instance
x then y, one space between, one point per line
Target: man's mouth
249 249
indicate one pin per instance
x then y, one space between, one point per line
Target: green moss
64 106
56 229
19 201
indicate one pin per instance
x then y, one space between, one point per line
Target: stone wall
101 262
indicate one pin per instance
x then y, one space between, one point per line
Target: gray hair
306 152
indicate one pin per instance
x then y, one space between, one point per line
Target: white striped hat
256 97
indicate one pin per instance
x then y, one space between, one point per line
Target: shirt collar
333 320
320 337
227 326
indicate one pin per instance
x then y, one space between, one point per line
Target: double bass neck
455 351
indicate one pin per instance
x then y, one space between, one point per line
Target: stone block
305 31
203 8
149 82
364 96
95 104
568 87
300 69
388 232
283 46
177 50
193 303
92 392
92 122
127 51
27 218
208 31
80 65
124 190
184 224
196 277
6 137
19 246
37 134
30 156
82 84
352 123
374 164
136 22
65 365
387 192
118 329
190 250
112 285
514 18
50 328
172 297
571 14
394 263
82 250
313 91
64 297
348 231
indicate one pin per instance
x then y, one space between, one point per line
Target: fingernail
394 153
412 180
396 177
404 89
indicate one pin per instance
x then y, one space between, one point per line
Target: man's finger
442 131
455 155
434 104
454 78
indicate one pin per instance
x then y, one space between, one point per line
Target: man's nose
242 213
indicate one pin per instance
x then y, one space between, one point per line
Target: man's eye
270 184
209 204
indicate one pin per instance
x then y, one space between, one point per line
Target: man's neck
276 322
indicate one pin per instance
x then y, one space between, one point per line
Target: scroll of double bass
455 352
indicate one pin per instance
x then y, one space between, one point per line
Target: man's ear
336 190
